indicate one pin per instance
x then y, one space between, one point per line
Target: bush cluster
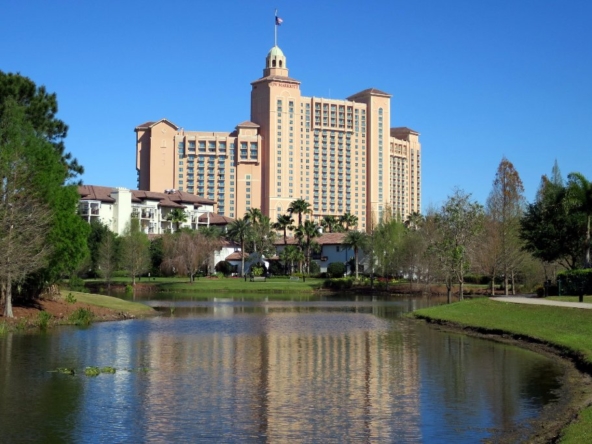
338 284
573 282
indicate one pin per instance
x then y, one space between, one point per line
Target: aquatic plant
92 371
108 370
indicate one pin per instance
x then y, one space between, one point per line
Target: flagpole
275 28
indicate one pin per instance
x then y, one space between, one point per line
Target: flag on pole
278 20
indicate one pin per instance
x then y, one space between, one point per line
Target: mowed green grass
113 303
569 328
235 285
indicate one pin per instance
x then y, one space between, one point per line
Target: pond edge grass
578 428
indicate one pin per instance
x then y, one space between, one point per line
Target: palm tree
177 216
330 223
239 231
306 233
291 254
284 223
348 220
580 195
254 215
414 220
356 240
299 206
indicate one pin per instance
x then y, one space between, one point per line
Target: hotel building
339 155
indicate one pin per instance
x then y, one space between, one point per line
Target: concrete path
540 301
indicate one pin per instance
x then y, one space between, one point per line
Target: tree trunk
513 284
460 290
449 293
356 259
506 283
587 257
492 285
7 289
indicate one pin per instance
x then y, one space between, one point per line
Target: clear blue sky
478 79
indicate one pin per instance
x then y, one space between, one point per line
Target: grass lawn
235 285
568 328
587 299
117 304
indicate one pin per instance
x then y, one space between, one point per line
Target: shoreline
577 385
576 393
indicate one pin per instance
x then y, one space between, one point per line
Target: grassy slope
117 304
568 328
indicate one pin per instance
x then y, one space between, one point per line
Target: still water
238 369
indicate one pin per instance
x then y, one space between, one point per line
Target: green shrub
129 289
336 269
338 284
3 328
573 282
314 268
82 316
224 267
70 299
43 319
76 283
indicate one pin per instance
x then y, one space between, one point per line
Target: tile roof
324 239
94 192
369 91
248 124
175 199
236 256
215 219
150 124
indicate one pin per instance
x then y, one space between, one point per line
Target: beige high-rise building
339 155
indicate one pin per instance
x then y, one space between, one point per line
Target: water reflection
247 369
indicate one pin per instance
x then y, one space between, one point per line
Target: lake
270 369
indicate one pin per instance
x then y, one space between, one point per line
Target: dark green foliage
224 267
276 268
76 283
550 232
336 269
67 236
156 256
338 284
314 268
41 109
574 282
97 233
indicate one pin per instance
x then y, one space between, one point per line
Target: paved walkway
540 301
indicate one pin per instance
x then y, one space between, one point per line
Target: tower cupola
275 63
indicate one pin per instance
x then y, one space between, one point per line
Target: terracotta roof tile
215 219
236 256
324 239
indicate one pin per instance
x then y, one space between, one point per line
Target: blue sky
478 79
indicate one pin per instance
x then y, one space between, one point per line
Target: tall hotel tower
339 155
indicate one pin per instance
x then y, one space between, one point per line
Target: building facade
339 155
115 207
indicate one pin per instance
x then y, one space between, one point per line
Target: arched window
380 111
273 63
280 63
